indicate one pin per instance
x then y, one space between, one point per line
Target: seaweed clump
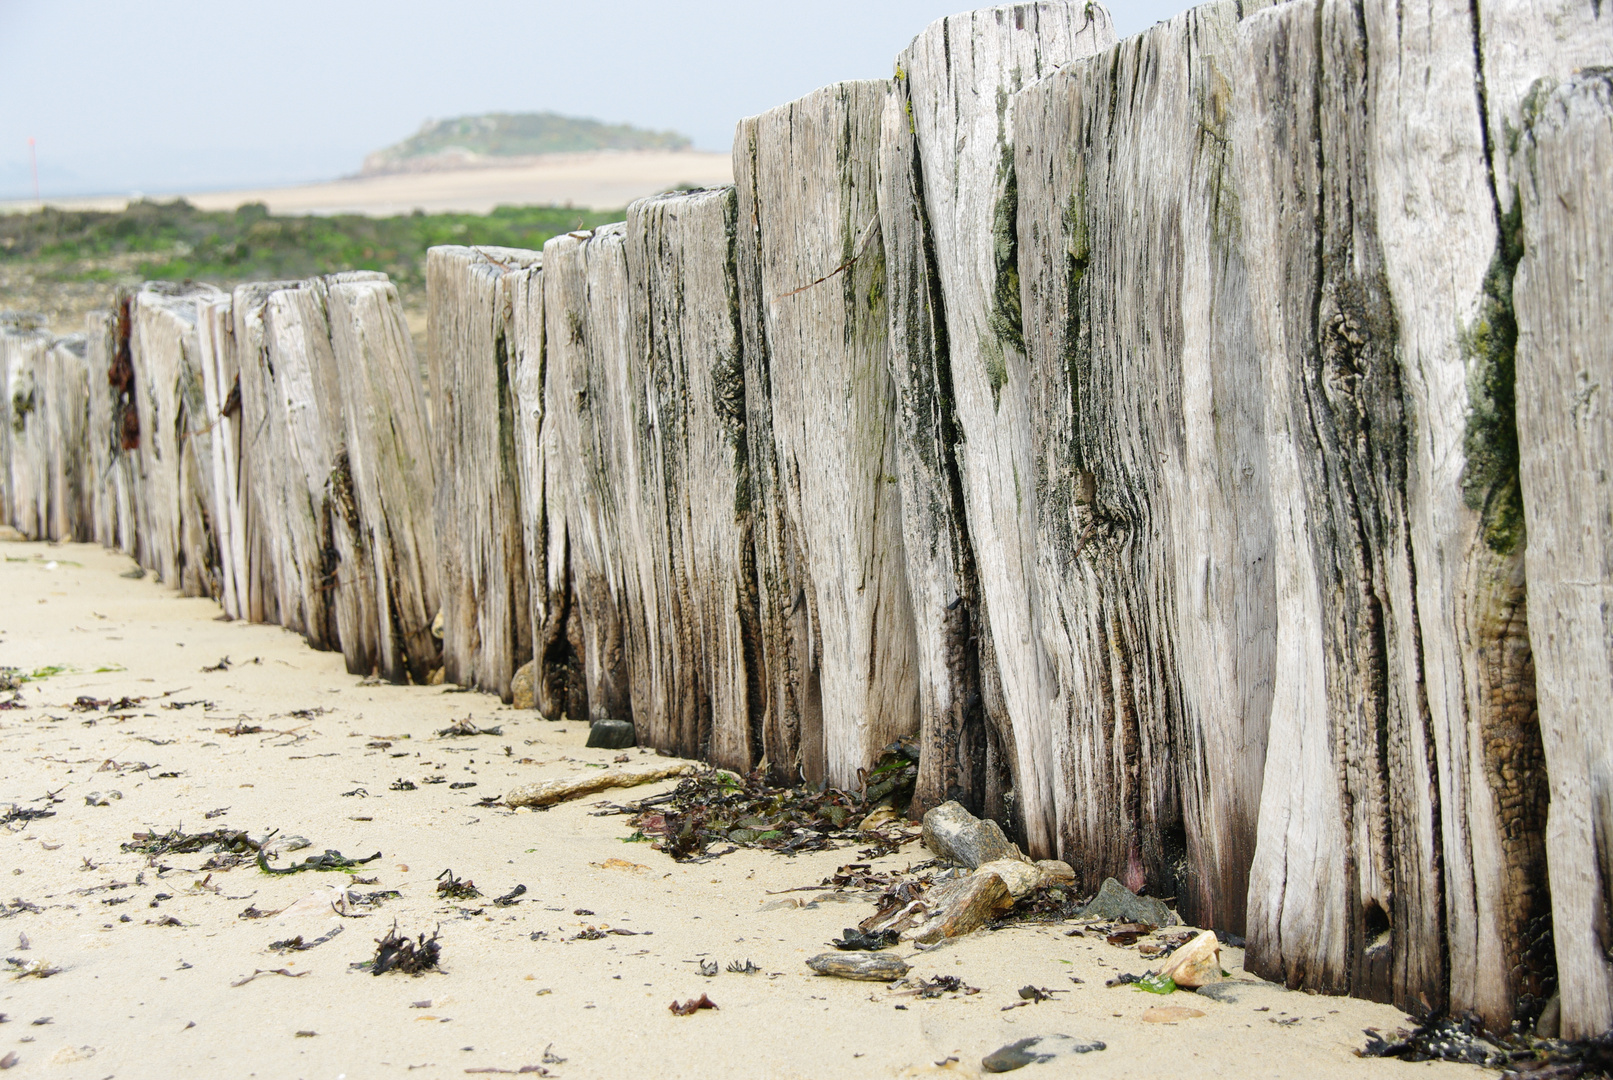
714 806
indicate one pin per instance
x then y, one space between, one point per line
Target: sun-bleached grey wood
1154 603
964 742
391 470
792 720
591 477
272 574
960 75
114 470
807 179
698 634
1404 734
23 345
177 537
527 361
215 342
70 513
1563 294
485 602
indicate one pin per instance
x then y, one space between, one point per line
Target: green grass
176 242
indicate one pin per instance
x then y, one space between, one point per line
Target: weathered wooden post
974 591
592 478
704 692
486 607
836 622
215 341
178 540
1563 296
1155 604
23 345
391 469
114 428
66 412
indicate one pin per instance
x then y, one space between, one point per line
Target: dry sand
138 998
597 181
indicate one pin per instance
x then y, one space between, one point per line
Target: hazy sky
185 95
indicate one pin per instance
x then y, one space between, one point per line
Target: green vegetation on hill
519 135
175 241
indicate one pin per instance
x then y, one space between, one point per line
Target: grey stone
611 735
954 834
1036 1050
1225 992
1115 901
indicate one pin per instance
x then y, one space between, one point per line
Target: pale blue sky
189 95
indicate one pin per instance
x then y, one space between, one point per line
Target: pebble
1117 903
954 834
611 735
1196 964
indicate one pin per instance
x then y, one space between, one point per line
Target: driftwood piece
549 792
1563 294
959 78
178 536
485 603
698 689
806 176
1154 596
592 483
391 473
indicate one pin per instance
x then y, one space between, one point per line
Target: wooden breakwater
1172 434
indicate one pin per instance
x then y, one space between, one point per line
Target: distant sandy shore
601 181
155 954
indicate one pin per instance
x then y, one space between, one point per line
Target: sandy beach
596 181
151 951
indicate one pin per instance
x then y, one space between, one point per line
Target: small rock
954 834
1020 877
1196 964
1118 903
962 906
522 695
1549 1026
9 535
1036 1050
436 676
1056 872
436 625
870 967
611 735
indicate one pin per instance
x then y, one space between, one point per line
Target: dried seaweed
462 728
178 842
1464 1039
410 956
717 807
852 938
330 860
451 888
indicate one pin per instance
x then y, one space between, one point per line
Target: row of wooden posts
1198 441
